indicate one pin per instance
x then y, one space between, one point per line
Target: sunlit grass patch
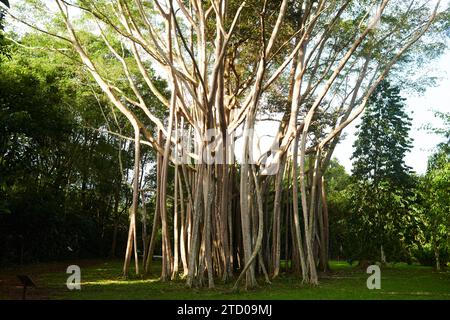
104 280
117 282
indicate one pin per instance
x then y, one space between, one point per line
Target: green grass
102 280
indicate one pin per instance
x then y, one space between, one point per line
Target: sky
421 110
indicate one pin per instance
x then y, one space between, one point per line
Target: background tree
382 181
435 202
3 51
339 207
64 173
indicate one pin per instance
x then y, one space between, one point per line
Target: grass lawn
102 280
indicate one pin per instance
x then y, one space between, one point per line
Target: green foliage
435 205
383 139
337 182
3 44
425 254
380 217
60 177
379 198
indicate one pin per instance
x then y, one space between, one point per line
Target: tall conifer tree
382 179
383 138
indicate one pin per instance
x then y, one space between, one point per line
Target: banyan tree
239 207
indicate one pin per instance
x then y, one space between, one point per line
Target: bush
425 255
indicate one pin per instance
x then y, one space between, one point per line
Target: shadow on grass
104 281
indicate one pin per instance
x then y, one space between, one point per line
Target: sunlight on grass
398 281
119 282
